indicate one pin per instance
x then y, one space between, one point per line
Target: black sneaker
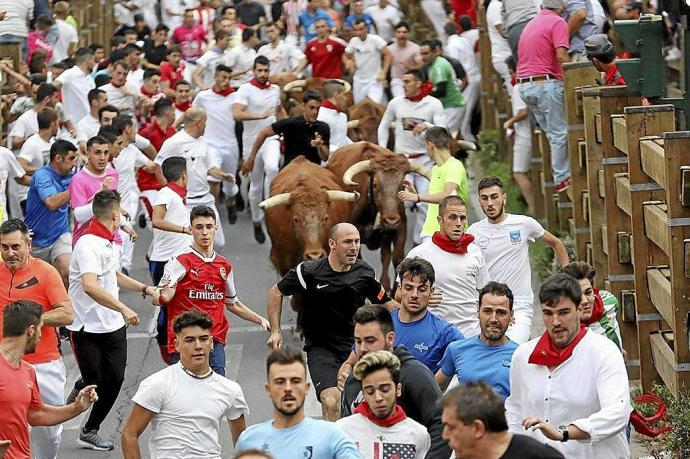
259 233
239 202
142 220
91 439
232 210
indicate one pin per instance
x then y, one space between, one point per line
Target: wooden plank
656 226
585 206
652 158
620 133
597 127
664 361
604 237
601 185
660 293
622 185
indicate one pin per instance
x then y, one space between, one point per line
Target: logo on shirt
206 294
194 272
483 242
515 236
506 363
329 48
320 286
307 452
29 283
421 347
223 273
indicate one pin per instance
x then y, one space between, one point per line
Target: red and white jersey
203 284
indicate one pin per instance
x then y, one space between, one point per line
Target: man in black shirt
331 289
474 423
251 13
302 135
155 50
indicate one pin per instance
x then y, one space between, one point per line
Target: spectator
386 17
475 426
599 50
500 49
187 412
516 15
325 53
405 57
464 48
37 39
544 371
290 429
378 423
308 19
485 357
67 39
581 24
543 49
14 27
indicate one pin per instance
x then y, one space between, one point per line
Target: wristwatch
565 434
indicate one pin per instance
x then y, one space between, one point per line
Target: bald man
331 288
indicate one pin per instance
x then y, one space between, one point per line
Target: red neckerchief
328 104
99 229
258 84
424 91
183 107
548 354
180 190
597 310
447 245
117 85
146 93
224 92
613 77
397 416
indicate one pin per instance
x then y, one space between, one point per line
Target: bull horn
346 85
294 85
356 168
277 200
337 195
466 145
421 170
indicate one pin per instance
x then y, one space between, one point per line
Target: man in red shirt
202 279
172 71
600 52
19 390
325 53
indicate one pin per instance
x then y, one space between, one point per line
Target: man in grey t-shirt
516 15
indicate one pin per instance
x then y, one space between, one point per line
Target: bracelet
143 290
417 197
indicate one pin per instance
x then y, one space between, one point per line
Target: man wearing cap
542 50
599 50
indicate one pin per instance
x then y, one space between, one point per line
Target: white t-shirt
220 124
126 164
410 438
256 100
118 99
461 48
403 112
239 59
75 90
199 156
500 50
123 15
506 250
188 411
283 57
385 19
25 126
18 13
93 254
66 35
36 152
9 168
209 61
166 244
87 127
367 55
459 278
337 122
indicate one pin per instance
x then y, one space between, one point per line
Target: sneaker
142 220
239 202
674 54
232 214
91 439
259 233
564 185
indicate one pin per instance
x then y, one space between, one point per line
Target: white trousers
210 201
51 378
147 200
437 15
503 70
266 167
421 184
519 332
229 156
131 206
454 116
397 87
371 89
471 95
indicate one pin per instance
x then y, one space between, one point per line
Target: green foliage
676 442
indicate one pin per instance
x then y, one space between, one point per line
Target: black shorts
323 366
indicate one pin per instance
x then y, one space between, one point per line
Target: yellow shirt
451 171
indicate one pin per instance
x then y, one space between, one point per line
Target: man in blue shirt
425 335
485 357
308 18
47 207
356 13
291 435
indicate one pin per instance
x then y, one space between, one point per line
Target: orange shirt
39 282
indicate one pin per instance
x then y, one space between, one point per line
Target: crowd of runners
155 129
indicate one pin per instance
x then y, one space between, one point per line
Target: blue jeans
216 359
545 102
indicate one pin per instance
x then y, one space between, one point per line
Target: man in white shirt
459 265
500 49
379 423
35 152
256 104
27 124
282 57
187 401
386 17
364 53
504 240
67 35
462 48
9 169
574 377
217 102
412 114
120 95
241 58
207 63
202 161
332 113
99 335
89 125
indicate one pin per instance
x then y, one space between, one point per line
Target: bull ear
419 169
281 199
356 168
337 195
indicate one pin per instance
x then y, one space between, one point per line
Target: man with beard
184 425
379 424
290 434
485 357
504 240
19 391
331 289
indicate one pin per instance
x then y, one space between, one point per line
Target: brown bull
365 117
376 174
306 201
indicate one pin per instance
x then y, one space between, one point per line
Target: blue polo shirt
307 21
426 338
47 225
473 360
350 20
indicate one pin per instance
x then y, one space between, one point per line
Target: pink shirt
190 40
82 188
538 43
36 41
